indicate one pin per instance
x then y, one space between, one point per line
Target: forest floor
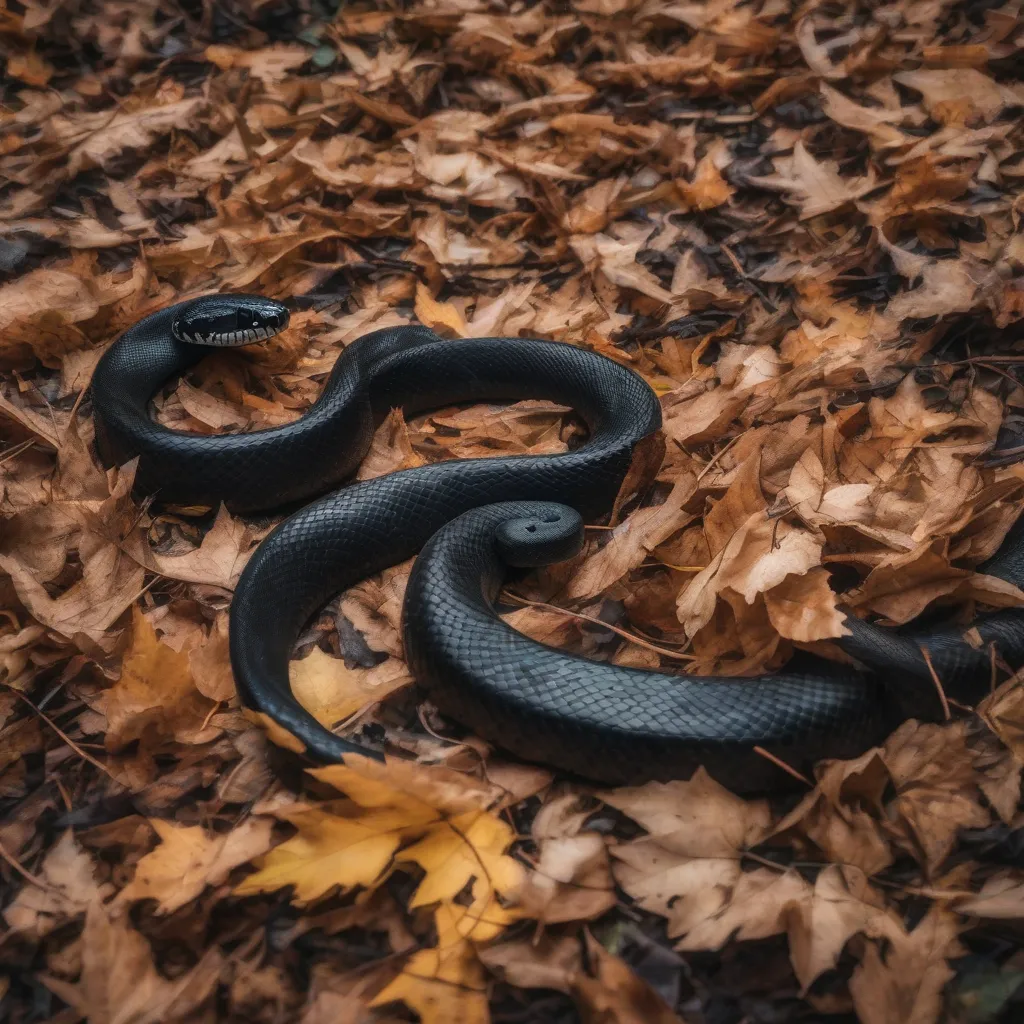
800 223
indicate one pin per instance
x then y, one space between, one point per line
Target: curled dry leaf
571 879
218 561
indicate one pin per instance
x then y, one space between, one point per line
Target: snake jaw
229 320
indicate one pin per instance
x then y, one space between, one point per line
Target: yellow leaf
277 734
469 846
189 858
445 983
328 851
332 692
436 314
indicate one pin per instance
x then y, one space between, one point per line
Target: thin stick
64 736
778 762
632 638
26 874
936 681
715 458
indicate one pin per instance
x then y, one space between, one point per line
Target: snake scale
473 521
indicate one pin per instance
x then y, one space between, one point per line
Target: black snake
472 520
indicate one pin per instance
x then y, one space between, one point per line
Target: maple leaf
906 983
817 187
443 983
841 905
328 851
956 95
155 695
110 582
103 137
697 818
404 813
120 985
189 858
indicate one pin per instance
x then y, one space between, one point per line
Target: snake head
548 533
228 320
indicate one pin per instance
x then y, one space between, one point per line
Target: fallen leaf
218 561
155 698
616 995
71 887
632 541
119 983
906 982
189 858
443 983
331 692
817 187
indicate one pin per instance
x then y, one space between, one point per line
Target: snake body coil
603 721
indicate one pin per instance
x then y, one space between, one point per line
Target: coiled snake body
473 519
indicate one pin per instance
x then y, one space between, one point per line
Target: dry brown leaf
817 187
98 138
906 982
71 887
842 905
759 556
120 985
155 698
616 995
218 561
696 818
571 878
110 582
632 541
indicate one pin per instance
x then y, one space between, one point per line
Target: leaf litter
800 224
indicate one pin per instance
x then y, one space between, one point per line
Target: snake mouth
229 320
239 337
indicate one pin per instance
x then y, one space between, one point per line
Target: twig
936 681
778 762
64 736
631 637
26 874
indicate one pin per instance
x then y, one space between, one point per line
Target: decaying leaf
119 983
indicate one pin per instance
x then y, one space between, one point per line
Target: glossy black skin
229 320
597 720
